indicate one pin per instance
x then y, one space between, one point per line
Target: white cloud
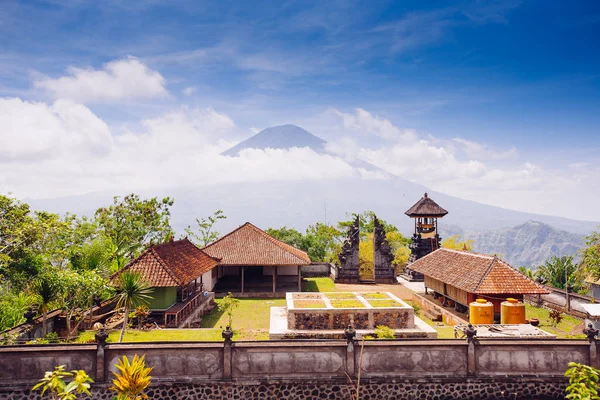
188 91
480 151
365 122
117 80
33 130
178 148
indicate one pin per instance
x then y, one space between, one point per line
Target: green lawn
252 314
566 328
319 285
375 295
347 304
175 335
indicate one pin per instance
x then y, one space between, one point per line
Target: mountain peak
279 137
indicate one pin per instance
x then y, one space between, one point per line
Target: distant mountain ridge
529 244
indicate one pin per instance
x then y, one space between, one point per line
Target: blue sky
512 76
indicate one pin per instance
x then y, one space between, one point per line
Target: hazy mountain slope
301 203
529 244
279 137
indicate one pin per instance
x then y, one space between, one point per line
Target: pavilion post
299 278
274 278
243 267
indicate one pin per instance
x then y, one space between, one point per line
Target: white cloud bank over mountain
63 147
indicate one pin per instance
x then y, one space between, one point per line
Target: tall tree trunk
125 321
69 315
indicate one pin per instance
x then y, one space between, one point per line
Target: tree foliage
132 291
131 224
204 233
454 242
559 272
590 256
583 382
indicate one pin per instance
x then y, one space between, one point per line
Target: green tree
560 271
590 256
47 290
228 305
131 224
367 223
453 242
322 242
204 234
526 271
132 291
13 307
288 235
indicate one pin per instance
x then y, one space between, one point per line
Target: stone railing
225 368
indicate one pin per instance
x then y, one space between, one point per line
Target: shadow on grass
309 286
210 320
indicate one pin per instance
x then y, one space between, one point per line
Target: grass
385 303
252 314
347 304
319 285
563 330
341 295
175 335
309 304
375 295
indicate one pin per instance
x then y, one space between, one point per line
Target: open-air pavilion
251 261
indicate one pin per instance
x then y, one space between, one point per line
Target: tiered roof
175 263
251 246
476 273
426 208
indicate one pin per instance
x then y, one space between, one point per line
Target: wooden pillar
299 279
274 279
243 278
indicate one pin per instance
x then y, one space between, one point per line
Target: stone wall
297 369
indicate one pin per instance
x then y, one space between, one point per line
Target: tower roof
426 208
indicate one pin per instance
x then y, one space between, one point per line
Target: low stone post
592 334
227 334
100 337
349 334
471 334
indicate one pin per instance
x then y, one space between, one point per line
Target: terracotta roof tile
426 208
249 245
475 273
175 263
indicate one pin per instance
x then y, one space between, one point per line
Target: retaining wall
300 369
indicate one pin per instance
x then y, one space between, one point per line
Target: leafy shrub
417 309
52 337
583 382
384 332
556 316
132 378
54 383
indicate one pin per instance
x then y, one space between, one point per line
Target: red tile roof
175 263
426 208
248 245
476 273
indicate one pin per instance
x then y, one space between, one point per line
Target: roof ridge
226 235
217 259
163 264
489 268
284 246
470 253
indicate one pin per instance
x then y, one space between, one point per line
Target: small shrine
425 239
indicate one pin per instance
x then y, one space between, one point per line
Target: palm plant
46 290
560 272
132 291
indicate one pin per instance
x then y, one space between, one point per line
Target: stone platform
326 315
